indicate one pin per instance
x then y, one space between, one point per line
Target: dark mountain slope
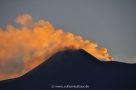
76 67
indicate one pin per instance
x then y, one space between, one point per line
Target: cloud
25 47
126 59
24 19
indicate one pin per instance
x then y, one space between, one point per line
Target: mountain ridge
76 67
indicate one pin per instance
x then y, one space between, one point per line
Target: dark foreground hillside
75 69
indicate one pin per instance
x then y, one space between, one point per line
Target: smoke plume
24 47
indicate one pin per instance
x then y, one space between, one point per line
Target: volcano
75 69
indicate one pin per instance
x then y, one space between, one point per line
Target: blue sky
110 23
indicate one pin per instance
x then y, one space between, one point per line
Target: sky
109 23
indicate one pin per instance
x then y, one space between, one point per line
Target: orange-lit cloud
25 47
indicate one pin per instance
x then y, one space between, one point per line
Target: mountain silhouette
75 69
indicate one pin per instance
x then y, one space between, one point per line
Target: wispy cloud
124 59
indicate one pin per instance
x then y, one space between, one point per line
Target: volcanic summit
78 68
